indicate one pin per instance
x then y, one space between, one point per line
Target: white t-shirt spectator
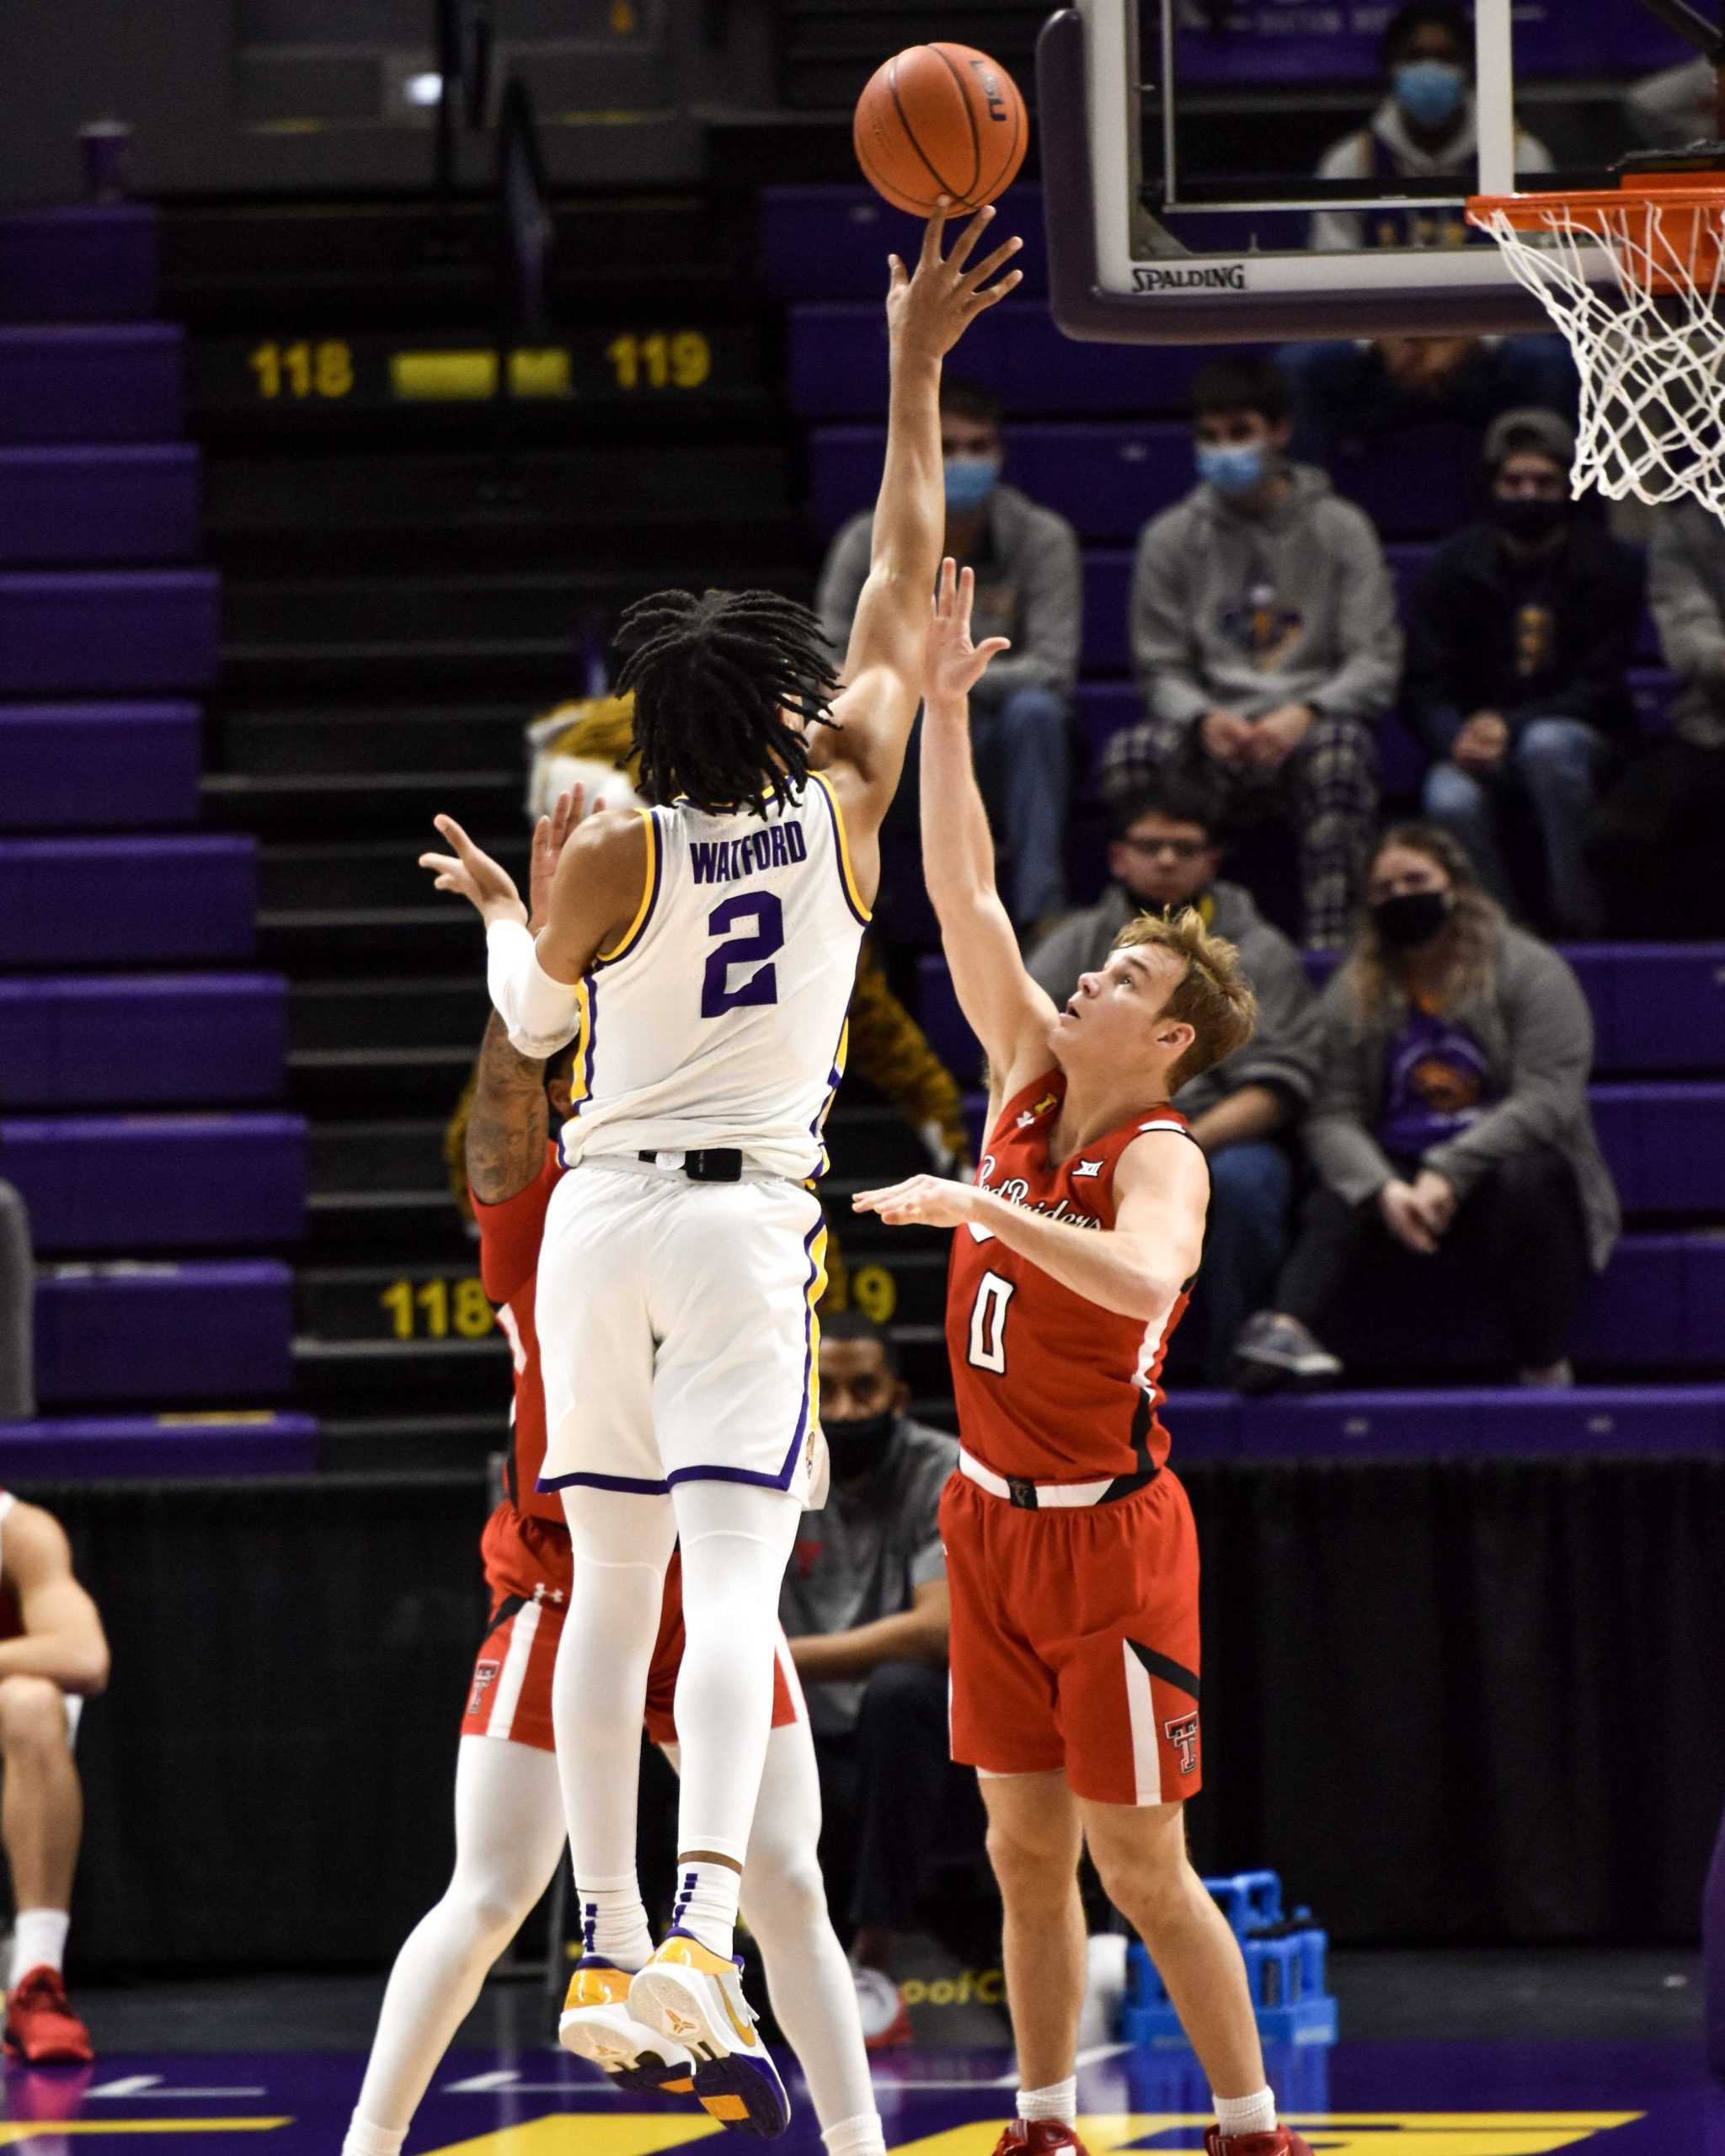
1384 149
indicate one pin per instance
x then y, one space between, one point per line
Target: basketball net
1633 279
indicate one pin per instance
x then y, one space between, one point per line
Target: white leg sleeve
784 1901
735 1538
622 1545
508 1835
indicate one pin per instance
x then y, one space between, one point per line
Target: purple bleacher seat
1418 482
139 1331
838 365
1665 1144
1656 1006
126 901
1508 1422
1635 1312
92 1450
831 242
142 1040
938 1013
82 263
95 766
112 503
1108 601
158 1181
115 629
92 383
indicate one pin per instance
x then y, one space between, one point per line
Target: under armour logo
1028 1116
1183 1730
1088 1168
543 1594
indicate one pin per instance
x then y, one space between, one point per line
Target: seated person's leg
903 1769
1028 770
1245 1242
1555 759
1468 807
1520 1230
1334 789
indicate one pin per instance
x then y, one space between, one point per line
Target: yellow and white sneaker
694 1997
597 2025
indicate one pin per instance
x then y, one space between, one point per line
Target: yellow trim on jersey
579 1087
817 1288
864 912
650 883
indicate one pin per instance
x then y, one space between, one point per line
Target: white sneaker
596 2024
694 1997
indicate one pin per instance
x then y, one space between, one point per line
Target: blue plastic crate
1285 1973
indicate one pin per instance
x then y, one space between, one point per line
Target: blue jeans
1343 393
1250 1188
1023 765
1551 762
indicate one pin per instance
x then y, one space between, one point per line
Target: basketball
940 120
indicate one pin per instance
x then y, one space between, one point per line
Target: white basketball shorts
676 1330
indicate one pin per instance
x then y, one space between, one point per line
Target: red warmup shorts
528 1568
1074 1641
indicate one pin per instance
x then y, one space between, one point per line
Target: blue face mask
1429 92
970 480
1232 468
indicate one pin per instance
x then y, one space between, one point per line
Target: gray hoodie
1281 1052
1687 589
1537 1033
1246 612
1029 587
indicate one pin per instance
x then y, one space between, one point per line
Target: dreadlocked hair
713 679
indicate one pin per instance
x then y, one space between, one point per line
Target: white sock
1059 2100
38 1941
509 1838
365 2139
614 1921
808 1979
1247 2113
706 1904
858 2136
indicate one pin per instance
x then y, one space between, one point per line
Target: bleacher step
337 1083
388 1015
277 743
343 803
373 1225
383 939
382 874
435 1374
380 1153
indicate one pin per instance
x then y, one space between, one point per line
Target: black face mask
1413 918
1527 518
859 1444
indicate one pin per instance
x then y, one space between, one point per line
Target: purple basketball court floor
1496 2099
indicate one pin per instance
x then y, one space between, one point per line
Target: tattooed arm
509 1121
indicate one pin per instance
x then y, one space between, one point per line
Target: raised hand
550 835
484 882
951 665
928 312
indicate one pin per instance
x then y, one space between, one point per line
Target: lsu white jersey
718 1018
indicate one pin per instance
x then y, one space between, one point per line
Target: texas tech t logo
1183 1732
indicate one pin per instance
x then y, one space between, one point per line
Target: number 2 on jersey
988 1324
768 916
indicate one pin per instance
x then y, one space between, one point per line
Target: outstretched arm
1009 1014
1138 1268
597 893
927 314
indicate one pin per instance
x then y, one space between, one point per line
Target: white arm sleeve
541 1014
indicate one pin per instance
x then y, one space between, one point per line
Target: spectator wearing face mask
1519 637
1164 853
1029 589
864 1605
1454 1150
1425 129
1265 642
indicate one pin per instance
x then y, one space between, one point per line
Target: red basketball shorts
1074 1641
528 1568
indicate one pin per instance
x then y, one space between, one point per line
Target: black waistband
1022 1493
718 1164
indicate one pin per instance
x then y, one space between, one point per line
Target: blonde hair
1212 995
1375 973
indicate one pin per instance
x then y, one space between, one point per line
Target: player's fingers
932 230
440 863
950 583
967 238
457 836
1010 283
896 275
989 263
991 646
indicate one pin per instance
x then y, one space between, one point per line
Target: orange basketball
940 120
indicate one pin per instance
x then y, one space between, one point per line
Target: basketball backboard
1169 223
